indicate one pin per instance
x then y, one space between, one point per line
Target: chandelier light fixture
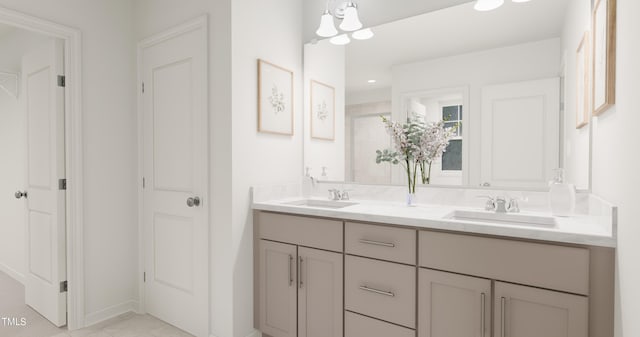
347 12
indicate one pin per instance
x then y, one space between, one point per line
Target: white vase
411 199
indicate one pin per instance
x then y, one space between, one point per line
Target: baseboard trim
255 333
110 312
19 277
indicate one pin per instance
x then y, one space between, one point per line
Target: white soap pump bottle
562 196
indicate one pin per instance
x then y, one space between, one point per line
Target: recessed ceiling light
371 81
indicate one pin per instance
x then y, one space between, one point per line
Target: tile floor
127 325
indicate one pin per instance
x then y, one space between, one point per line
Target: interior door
278 284
453 305
520 133
175 202
46 228
531 312
320 308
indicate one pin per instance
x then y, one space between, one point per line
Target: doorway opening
41 281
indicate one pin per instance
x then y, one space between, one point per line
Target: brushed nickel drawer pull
502 316
482 314
376 291
300 271
290 269
377 243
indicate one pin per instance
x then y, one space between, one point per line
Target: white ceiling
451 31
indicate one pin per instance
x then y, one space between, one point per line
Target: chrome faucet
500 205
335 195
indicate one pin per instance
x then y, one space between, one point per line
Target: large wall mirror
505 78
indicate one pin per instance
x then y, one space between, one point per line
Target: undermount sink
502 218
321 203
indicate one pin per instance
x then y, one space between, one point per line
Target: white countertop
579 229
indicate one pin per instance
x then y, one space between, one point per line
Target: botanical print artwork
582 83
322 111
275 99
604 55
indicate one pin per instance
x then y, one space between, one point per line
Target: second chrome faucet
500 204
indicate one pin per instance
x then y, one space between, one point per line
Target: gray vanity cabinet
521 311
303 284
278 289
300 283
319 293
453 305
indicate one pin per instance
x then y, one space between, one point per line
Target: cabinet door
452 305
320 293
278 289
531 312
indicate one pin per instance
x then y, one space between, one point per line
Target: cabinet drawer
380 242
310 232
383 290
362 326
541 265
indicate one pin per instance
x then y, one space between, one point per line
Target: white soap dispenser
562 196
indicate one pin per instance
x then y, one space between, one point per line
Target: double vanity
379 269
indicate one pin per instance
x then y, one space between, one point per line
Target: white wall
325 62
368 96
576 141
616 166
13 153
260 158
110 231
522 62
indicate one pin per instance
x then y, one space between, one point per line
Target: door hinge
143 87
144 182
63 287
62 184
61 81
144 277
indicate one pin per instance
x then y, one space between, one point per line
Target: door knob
20 194
193 201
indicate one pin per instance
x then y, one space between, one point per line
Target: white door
46 245
175 202
520 133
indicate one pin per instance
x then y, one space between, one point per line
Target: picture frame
603 76
583 82
275 99
323 111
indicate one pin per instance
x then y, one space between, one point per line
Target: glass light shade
363 34
327 27
340 40
488 5
351 21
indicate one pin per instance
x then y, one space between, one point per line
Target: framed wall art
275 99
604 56
323 111
583 88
